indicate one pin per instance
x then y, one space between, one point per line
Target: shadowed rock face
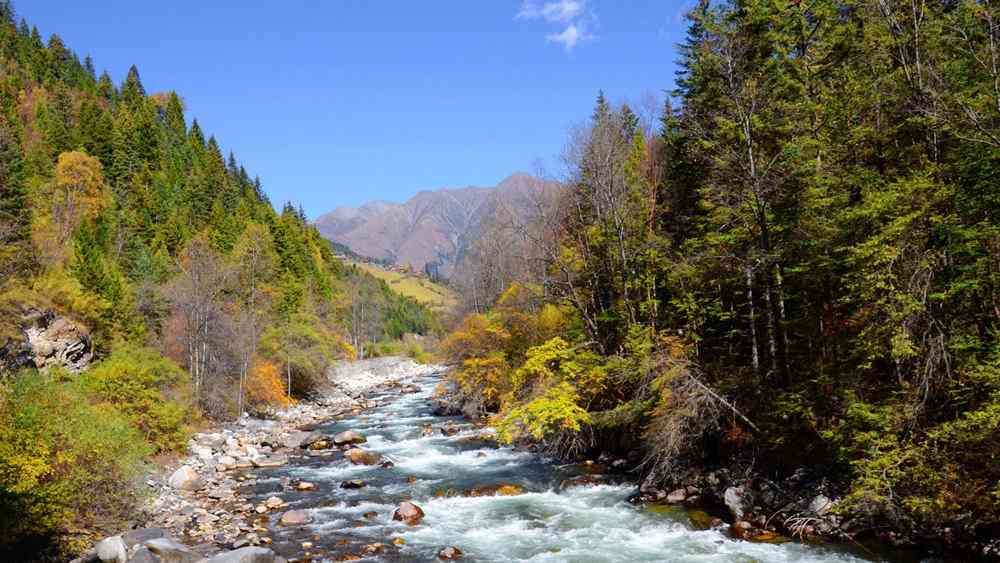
432 228
48 340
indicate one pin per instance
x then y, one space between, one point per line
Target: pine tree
59 59
88 65
96 131
601 109
106 88
7 14
125 158
132 91
14 213
630 122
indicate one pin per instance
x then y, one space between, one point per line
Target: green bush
66 465
152 391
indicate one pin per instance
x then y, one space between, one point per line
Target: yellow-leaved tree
76 193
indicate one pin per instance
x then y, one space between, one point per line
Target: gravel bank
198 500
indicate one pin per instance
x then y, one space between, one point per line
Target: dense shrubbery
66 463
152 391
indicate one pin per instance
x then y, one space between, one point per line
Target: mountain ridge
430 231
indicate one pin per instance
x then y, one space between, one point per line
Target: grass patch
426 292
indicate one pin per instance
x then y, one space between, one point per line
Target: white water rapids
579 524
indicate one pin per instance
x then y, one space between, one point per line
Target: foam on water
581 524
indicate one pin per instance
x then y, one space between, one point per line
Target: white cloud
560 11
571 15
568 37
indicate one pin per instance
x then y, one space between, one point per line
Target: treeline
799 268
201 299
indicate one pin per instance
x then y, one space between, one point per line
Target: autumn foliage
265 386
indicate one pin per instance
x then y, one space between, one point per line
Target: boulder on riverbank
185 478
153 545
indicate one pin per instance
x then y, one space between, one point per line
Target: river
578 524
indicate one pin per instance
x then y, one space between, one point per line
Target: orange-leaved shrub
266 387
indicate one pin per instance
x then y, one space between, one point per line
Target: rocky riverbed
198 508
378 470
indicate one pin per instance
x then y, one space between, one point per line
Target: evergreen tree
601 109
96 131
106 88
7 14
59 59
132 91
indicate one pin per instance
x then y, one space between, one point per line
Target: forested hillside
798 273
133 251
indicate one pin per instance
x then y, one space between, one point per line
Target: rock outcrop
48 340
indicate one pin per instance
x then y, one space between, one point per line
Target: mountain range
432 230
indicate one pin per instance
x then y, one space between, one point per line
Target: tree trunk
755 358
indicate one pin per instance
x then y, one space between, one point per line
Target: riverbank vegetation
125 224
797 267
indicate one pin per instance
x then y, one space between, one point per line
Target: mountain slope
431 230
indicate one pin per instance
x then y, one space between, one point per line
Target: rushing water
579 524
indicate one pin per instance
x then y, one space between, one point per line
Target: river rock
212 440
135 537
820 505
314 441
581 481
270 461
305 486
349 437
450 429
170 551
363 457
450 554
296 438
295 518
112 550
274 502
185 478
409 513
322 444
352 484
677 496
741 530
245 555
503 490
142 554
736 501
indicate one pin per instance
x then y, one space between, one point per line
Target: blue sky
337 102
